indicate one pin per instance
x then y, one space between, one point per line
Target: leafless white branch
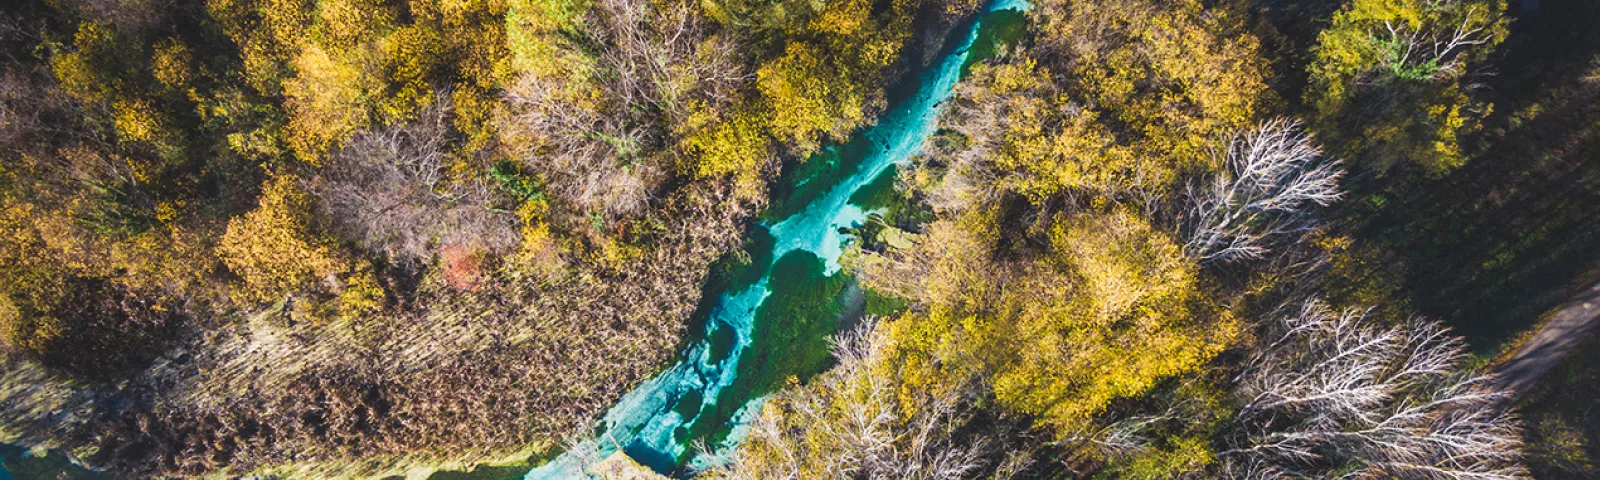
1273 173
1336 394
850 424
1434 47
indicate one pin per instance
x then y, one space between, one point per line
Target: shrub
93 331
463 268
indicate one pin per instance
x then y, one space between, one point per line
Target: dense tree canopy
340 172
1146 238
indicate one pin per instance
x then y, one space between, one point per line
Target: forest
467 239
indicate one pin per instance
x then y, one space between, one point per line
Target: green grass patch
878 193
998 30
792 328
882 304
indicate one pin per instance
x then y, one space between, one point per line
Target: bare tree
968 177
599 132
387 190
1272 173
1333 394
1436 47
850 423
587 450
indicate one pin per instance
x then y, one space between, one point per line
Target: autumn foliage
369 238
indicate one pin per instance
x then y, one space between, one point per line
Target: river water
771 321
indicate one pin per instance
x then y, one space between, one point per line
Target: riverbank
782 314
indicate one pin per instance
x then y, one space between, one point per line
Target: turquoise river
772 320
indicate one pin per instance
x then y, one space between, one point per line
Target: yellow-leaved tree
1111 309
824 84
276 251
1388 82
344 65
1176 74
1109 99
1037 140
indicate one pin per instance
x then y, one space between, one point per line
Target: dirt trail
1567 326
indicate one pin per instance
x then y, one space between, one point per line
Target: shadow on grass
1497 242
1561 419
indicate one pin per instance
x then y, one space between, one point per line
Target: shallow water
776 324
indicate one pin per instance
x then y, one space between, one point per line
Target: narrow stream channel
773 320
